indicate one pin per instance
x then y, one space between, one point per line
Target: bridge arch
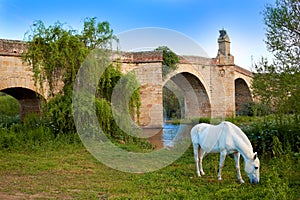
190 68
242 94
196 100
29 100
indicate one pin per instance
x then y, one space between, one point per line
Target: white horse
225 138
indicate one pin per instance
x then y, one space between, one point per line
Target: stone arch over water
195 98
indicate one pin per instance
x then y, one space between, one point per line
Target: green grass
9 110
9 106
36 163
71 172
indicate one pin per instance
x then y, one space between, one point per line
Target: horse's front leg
237 167
221 164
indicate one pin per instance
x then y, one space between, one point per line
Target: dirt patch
20 195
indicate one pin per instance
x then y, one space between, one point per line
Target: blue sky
199 20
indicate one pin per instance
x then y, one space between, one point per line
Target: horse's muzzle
254 181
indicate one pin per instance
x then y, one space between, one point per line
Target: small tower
224 57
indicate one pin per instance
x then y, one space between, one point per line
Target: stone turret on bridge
212 87
224 56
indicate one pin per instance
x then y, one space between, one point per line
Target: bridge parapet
243 71
195 60
138 57
12 47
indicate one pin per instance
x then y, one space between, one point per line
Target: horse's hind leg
196 157
221 164
201 155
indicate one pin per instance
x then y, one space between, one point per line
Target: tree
170 60
56 54
283 33
278 84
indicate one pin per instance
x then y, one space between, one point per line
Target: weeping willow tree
56 54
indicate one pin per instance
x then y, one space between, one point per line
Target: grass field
35 163
70 172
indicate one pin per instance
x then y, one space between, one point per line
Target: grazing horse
225 138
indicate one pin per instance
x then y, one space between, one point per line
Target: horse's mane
239 133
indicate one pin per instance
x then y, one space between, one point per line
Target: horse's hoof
219 178
242 181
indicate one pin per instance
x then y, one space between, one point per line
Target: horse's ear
255 156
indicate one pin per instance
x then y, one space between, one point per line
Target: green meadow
70 172
37 163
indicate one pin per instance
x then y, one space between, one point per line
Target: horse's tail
195 140
195 134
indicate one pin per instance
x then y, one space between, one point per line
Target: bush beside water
33 134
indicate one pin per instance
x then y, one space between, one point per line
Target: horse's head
252 168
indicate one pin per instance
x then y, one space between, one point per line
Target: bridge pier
29 106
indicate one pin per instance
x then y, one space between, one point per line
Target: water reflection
165 137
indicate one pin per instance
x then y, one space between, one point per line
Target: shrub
9 106
33 134
273 137
254 109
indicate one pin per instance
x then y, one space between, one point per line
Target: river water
166 136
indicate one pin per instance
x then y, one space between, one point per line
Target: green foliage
58 111
56 52
105 117
170 60
110 125
283 33
32 135
9 106
273 137
277 84
254 109
171 103
276 186
277 90
201 120
108 81
127 96
9 110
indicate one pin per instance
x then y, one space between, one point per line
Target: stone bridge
211 87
